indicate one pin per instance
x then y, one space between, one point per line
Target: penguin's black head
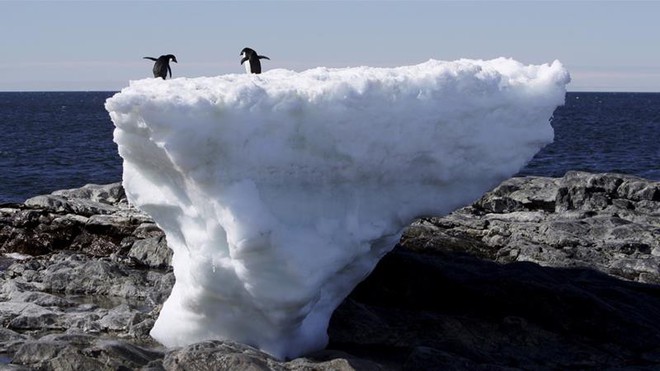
171 57
246 52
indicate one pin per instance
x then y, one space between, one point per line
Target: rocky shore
540 273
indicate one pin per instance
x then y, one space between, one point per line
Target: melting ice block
279 192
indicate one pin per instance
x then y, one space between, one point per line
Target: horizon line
116 91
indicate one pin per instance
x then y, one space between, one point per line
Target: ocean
59 140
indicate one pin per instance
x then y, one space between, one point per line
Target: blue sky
99 45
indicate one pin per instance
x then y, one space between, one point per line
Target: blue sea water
59 140
54 140
603 132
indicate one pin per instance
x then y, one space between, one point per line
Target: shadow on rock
455 311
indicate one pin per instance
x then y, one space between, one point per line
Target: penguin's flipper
263 57
151 58
244 59
170 70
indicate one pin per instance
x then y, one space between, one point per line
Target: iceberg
279 192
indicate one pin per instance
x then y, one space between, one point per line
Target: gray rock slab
152 252
82 352
608 222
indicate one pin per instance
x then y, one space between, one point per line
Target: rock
10 341
9 335
59 204
425 358
89 200
152 252
449 310
121 318
540 273
599 221
225 355
147 230
110 194
216 355
42 299
27 316
103 298
74 275
82 352
94 219
78 274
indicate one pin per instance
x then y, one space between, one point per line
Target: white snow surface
280 192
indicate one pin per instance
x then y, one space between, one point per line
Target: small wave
651 174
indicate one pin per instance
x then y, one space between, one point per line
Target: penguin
162 65
253 65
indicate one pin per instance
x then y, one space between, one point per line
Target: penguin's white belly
248 68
